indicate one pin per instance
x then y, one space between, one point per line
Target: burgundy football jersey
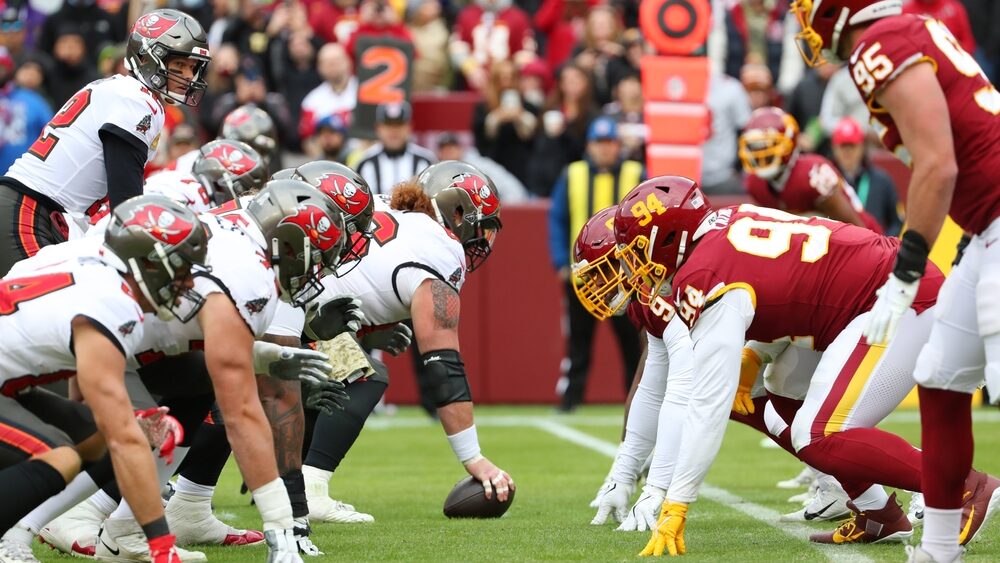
892 45
643 318
811 179
809 277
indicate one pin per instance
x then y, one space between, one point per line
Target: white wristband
274 507
465 444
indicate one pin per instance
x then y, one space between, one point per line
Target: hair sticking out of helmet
600 284
409 196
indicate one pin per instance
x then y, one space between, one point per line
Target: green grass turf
401 475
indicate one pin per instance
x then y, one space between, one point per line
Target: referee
393 158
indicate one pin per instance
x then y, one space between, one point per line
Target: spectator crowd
543 71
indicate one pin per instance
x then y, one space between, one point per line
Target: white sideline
721 496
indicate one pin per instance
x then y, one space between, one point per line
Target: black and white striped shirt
383 171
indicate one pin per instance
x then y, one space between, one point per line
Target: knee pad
443 378
775 424
987 304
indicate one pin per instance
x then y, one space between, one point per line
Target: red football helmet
600 284
654 227
824 22
768 142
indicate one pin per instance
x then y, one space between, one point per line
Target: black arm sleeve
124 163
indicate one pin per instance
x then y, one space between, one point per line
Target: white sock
310 473
941 528
872 499
77 491
103 502
188 487
123 511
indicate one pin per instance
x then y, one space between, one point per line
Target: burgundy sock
946 437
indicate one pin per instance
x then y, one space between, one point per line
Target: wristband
273 504
911 260
465 444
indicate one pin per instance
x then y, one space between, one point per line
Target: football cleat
915 514
322 508
916 554
15 546
887 524
192 521
75 532
979 502
121 539
803 480
829 502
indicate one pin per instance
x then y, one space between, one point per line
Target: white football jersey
66 163
184 162
239 270
406 249
42 295
181 187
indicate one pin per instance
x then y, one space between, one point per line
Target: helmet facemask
300 267
601 286
167 273
808 40
163 77
641 274
763 152
480 246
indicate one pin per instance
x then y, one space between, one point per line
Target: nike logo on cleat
108 547
814 515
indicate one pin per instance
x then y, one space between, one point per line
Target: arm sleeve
718 343
674 410
124 162
559 224
641 430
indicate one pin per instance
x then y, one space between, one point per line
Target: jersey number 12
45 142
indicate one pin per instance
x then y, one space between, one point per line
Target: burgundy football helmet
824 22
768 142
654 227
600 285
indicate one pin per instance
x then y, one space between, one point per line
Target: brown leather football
468 500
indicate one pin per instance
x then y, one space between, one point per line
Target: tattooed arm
435 310
282 401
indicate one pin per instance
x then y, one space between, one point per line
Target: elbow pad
443 378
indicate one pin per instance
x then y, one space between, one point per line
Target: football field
402 468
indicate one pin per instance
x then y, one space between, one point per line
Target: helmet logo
479 190
238 117
344 193
152 26
232 159
160 223
316 225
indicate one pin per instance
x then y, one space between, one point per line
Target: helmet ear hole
669 239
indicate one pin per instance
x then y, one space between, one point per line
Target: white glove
600 491
395 339
289 363
613 502
282 547
644 513
894 298
161 430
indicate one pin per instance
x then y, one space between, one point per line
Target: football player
92 304
782 177
724 270
97 145
437 229
950 135
253 126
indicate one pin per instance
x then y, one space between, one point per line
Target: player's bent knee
63 459
443 378
92 448
773 421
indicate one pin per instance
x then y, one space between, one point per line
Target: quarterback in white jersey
98 143
92 297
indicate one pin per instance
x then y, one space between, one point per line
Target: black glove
395 339
325 396
338 315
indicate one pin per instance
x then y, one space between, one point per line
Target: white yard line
721 496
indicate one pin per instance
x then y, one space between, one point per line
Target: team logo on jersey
144 124
345 193
479 190
322 233
160 224
255 306
232 159
456 276
127 328
152 26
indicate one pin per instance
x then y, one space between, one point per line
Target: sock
156 529
208 456
335 434
872 499
296 486
866 454
104 502
188 487
122 511
81 487
941 528
946 437
24 486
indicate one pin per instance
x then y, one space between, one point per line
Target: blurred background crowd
558 82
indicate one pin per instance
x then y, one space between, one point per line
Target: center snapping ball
468 500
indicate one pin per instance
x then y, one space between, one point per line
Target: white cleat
915 514
192 521
75 532
916 554
829 503
15 546
121 539
803 480
322 508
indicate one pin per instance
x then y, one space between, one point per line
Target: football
467 500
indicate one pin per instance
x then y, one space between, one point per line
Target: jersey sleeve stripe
718 293
108 333
419 266
914 60
228 294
